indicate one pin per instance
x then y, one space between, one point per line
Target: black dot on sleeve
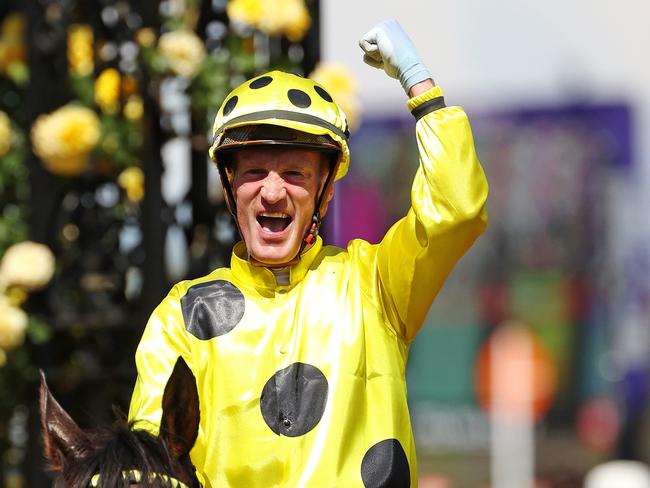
229 106
324 95
260 82
299 98
385 466
293 399
212 309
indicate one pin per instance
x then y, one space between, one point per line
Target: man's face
275 190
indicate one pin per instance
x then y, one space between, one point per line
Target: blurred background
533 364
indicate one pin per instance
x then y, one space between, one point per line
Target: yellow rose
107 90
248 12
341 84
134 109
12 45
27 264
13 322
5 134
288 17
145 37
80 50
183 50
132 181
64 139
273 17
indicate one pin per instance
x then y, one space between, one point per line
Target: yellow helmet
281 108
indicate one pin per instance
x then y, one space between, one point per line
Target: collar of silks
134 477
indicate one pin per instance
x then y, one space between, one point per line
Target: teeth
277 215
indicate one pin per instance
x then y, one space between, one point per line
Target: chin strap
316 219
231 203
313 229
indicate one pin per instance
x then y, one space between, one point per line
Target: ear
62 437
179 425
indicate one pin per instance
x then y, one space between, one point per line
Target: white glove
387 46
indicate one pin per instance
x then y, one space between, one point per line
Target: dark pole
154 225
202 210
47 62
47 90
311 42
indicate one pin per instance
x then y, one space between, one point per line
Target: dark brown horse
125 455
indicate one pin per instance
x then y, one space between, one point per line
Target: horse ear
62 437
180 410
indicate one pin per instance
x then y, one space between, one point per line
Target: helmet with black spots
279 108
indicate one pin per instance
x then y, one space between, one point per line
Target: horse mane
121 446
125 447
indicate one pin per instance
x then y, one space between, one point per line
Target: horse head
125 454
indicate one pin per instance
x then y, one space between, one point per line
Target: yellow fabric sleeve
447 214
162 342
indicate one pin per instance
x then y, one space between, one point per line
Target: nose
273 189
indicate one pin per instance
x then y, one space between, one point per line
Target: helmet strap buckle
313 229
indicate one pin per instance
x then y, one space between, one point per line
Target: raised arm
448 195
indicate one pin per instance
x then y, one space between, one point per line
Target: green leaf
84 88
38 331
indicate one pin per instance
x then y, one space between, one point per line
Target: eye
253 171
249 173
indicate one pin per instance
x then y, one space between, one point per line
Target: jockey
298 348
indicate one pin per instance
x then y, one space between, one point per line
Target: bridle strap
133 477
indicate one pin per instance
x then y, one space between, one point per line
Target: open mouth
274 221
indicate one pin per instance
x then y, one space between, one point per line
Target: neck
282 275
262 275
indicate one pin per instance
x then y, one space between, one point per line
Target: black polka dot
212 309
299 98
230 105
293 400
260 82
324 95
385 466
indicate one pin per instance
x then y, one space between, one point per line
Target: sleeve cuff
427 102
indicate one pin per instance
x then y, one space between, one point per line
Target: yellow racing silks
303 385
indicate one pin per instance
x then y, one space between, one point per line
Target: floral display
273 17
133 108
13 322
131 180
145 37
64 139
12 48
107 90
27 264
80 50
183 51
340 82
